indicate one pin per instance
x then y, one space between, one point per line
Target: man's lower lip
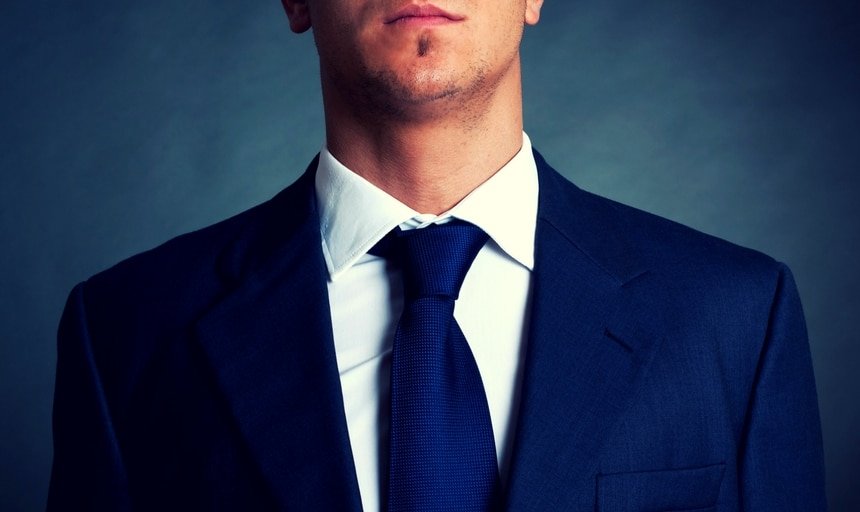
422 20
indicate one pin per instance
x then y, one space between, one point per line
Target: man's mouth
425 14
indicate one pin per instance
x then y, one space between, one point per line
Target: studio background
123 124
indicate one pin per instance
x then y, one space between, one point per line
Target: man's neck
430 163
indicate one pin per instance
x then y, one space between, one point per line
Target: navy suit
666 370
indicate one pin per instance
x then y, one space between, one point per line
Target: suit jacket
665 370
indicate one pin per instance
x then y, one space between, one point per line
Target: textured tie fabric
442 453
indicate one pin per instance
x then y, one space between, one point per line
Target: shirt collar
355 214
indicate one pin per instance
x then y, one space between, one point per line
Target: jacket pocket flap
652 491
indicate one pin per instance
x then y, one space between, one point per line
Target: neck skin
428 156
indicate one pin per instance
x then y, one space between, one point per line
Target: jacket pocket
671 490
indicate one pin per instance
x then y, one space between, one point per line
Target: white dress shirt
366 297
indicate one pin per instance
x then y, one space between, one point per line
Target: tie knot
435 259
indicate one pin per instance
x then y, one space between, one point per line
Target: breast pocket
673 490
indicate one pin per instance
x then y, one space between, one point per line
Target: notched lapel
270 346
592 338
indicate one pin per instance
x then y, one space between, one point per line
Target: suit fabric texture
665 370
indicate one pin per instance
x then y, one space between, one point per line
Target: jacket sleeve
782 465
87 472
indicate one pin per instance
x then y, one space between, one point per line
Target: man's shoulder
628 242
714 294
195 268
145 307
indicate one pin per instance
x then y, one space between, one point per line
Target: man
623 362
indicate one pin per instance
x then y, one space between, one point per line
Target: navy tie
442 453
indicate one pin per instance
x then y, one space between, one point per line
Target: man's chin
416 94
426 104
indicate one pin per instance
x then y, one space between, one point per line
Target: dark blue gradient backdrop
123 124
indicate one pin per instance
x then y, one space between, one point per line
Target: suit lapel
591 341
270 345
